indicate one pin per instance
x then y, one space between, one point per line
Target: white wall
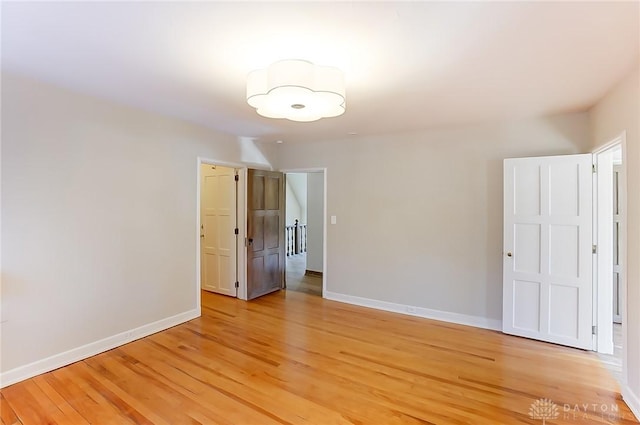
98 218
292 206
296 198
419 215
315 217
619 111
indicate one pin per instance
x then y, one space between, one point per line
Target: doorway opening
610 241
305 231
240 245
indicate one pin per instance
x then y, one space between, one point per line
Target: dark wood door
265 232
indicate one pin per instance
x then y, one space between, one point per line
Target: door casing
618 216
604 293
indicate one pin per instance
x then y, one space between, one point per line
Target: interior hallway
297 280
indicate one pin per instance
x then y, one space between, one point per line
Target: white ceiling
408 66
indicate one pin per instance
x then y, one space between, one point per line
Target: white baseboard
76 354
427 313
632 400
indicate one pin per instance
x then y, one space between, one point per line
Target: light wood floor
613 362
293 358
298 280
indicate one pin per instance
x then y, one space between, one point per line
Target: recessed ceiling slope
408 65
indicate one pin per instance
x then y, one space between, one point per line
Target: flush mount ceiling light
297 90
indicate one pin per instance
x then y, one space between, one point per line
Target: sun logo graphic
544 409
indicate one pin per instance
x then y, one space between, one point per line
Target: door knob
509 254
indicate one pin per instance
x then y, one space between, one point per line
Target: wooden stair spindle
296 238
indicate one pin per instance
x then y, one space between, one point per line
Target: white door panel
547 245
527 295
218 239
526 240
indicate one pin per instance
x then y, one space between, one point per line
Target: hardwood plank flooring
613 362
294 358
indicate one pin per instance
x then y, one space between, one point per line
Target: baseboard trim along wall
632 400
80 353
443 316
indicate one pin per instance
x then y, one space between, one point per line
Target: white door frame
604 293
324 219
242 226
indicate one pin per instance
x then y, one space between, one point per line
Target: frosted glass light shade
297 90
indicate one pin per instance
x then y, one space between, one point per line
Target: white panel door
218 224
547 288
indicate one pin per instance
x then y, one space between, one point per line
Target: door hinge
594 168
594 249
594 330
237 284
236 231
237 178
